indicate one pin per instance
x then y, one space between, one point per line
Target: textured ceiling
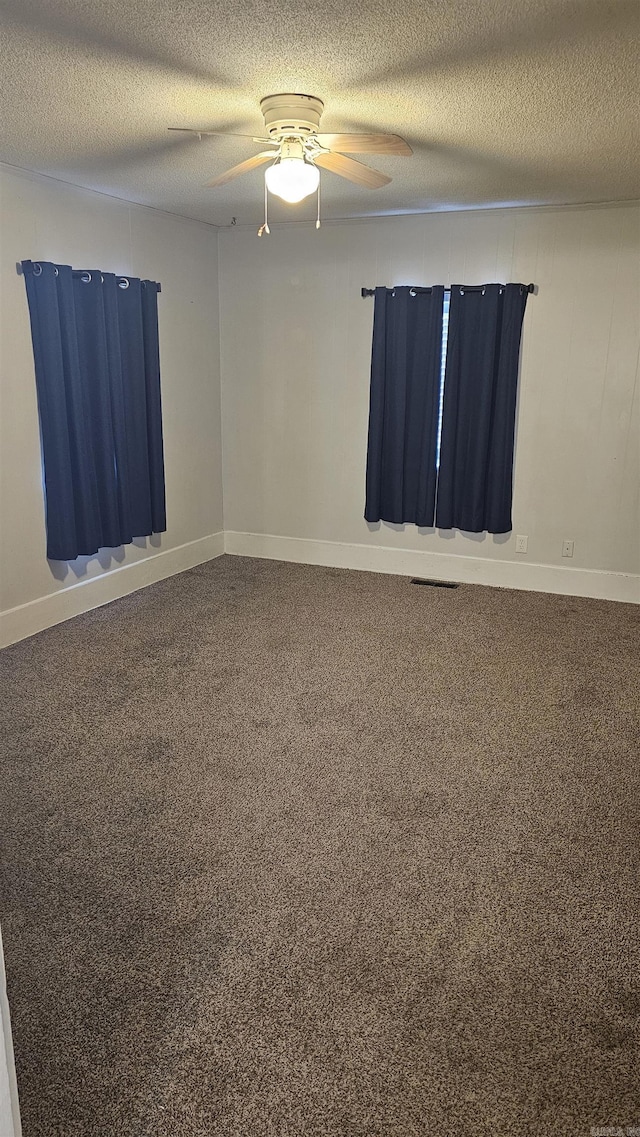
502 102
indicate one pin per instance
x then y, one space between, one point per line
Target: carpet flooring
300 852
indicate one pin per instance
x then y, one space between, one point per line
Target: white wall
43 219
295 357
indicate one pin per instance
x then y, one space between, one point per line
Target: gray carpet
301 852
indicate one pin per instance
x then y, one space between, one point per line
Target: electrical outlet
521 544
567 548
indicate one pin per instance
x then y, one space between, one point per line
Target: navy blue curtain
478 418
403 416
97 366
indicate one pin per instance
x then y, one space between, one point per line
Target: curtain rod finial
19 268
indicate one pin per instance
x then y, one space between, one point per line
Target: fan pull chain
318 218
265 228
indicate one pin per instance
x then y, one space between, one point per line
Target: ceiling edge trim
36 176
619 203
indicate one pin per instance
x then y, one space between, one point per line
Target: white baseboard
27 619
438 566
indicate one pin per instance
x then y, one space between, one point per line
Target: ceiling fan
298 149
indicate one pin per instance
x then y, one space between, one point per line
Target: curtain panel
97 368
471 486
479 410
403 417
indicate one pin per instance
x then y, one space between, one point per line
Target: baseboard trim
623 587
28 619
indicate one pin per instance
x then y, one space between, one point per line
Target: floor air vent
435 583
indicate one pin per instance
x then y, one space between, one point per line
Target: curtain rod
84 273
465 287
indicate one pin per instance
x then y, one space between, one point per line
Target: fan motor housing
291 114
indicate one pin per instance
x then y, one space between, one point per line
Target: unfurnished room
319 569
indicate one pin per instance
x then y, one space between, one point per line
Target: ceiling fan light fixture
292 179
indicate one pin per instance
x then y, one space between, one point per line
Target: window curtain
479 409
97 367
403 417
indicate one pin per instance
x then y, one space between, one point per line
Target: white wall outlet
567 548
521 544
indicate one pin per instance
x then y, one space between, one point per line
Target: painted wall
295 357
48 220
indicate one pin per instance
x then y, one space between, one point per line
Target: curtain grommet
37 268
86 278
123 282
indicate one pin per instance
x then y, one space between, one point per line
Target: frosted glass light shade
292 179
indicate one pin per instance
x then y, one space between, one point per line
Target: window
444 375
443 363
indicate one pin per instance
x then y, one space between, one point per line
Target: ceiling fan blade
243 168
223 134
354 171
364 143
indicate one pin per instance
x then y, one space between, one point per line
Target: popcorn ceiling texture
301 852
504 102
